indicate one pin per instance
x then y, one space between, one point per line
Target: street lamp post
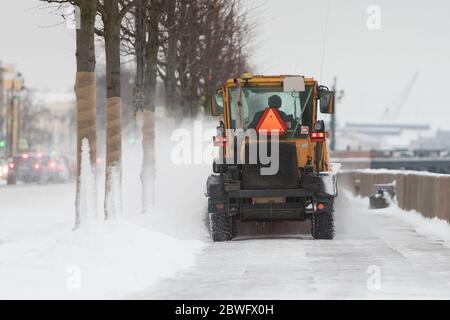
338 97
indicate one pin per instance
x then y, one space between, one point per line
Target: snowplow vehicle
271 161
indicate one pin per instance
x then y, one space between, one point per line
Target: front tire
220 226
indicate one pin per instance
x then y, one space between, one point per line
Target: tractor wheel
220 226
322 224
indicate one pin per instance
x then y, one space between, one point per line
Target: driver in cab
273 102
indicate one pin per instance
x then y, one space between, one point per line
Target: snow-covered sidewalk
376 254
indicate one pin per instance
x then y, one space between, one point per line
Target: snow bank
403 172
102 260
41 257
433 228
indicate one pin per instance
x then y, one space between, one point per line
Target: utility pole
337 99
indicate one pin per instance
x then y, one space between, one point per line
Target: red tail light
37 166
219 141
25 156
318 136
320 206
11 165
52 165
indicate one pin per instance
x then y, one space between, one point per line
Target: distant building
31 120
378 136
441 141
52 122
11 89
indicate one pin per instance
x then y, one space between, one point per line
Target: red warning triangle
271 120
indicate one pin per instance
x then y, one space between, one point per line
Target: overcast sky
373 66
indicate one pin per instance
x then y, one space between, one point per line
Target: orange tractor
272 161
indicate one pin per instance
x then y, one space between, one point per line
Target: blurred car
25 168
53 170
71 166
3 169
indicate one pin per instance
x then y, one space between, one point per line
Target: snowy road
368 246
376 254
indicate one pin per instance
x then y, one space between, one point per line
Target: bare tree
112 14
203 43
148 173
144 35
140 36
172 29
85 88
191 45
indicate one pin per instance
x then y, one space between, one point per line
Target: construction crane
392 111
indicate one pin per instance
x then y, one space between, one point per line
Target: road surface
374 255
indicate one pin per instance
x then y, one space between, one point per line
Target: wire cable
325 33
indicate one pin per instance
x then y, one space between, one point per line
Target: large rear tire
220 226
322 224
11 180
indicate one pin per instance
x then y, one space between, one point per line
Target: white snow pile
403 172
433 228
105 260
329 180
41 257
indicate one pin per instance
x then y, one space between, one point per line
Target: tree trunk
170 79
85 90
113 172
148 173
139 46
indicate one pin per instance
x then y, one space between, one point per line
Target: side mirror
326 101
217 104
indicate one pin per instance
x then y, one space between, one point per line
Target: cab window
296 107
